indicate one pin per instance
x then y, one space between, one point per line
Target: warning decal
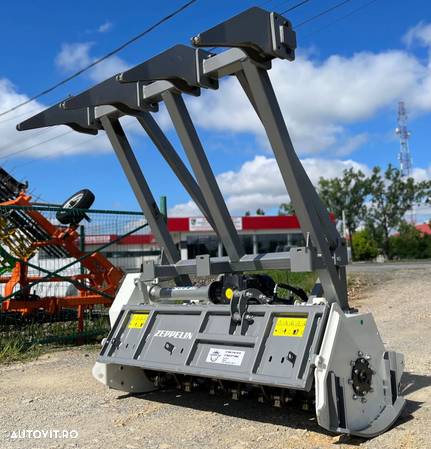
137 320
290 327
225 356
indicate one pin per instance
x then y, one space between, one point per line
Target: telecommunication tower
403 133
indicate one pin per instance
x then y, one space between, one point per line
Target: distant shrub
409 244
364 245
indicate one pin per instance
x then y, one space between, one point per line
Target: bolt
367 356
360 354
356 371
354 397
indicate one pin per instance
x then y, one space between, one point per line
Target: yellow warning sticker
137 320
290 327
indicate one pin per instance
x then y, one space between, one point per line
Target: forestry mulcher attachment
237 333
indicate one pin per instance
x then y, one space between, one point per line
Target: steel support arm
143 194
168 152
329 228
308 207
204 175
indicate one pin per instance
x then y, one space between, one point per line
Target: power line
20 115
70 147
8 146
322 13
36 145
99 60
295 6
345 16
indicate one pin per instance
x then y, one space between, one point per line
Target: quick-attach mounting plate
127 98
81 120
181 65
261 34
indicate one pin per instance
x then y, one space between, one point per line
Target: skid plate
275 348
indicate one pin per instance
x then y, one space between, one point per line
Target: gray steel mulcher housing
235 332
253 355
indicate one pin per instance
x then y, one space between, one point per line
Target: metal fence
121 236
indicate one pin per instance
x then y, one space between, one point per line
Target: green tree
364 246
260 211
348 194
409 243
391 196
286 209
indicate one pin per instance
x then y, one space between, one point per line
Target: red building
194 235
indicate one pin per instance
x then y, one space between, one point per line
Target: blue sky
339 97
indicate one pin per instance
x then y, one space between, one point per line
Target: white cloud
76 56
188 209
351 144
258 183
320 99
105 27
421 174
421 33
15 143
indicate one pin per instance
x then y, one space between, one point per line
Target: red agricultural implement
24 231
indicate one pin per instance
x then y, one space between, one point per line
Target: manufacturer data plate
137 320
290 327
225 356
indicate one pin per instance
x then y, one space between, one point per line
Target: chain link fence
30 237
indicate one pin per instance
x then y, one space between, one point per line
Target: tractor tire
73 210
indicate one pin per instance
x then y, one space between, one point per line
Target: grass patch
23 341
305 281
17 350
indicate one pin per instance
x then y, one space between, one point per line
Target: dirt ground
57 392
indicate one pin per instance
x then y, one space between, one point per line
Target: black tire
75 205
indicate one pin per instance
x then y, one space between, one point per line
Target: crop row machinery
237 333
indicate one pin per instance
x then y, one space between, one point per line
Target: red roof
424 228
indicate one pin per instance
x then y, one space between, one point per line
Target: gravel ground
57 391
